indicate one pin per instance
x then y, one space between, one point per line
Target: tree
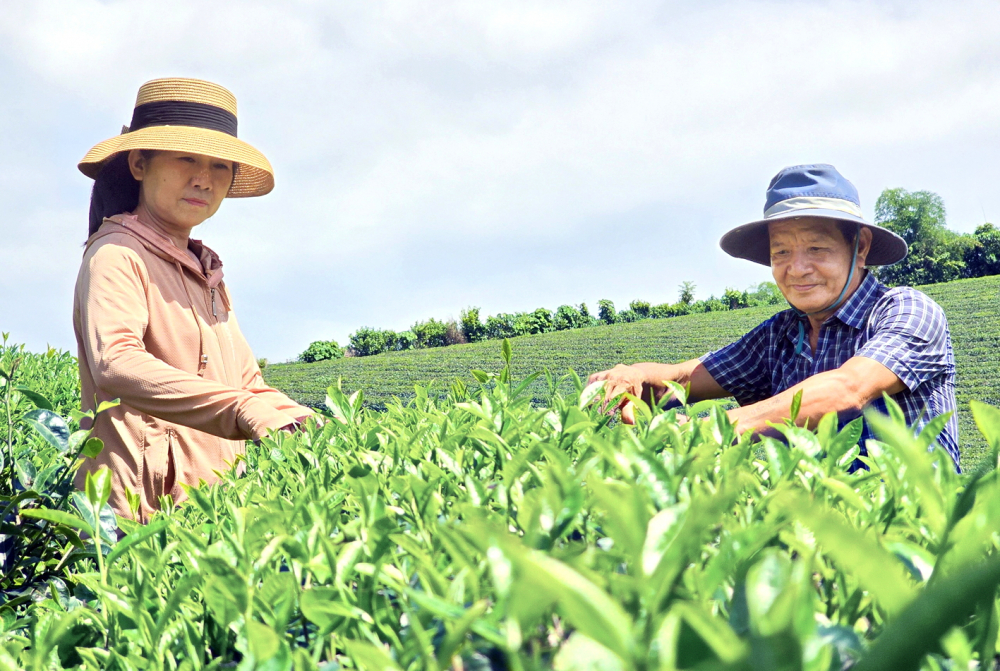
568 317
936 253
735 299
765 293
430 333
500 326
320 350
641 308
606 311
984 257
367 341
472 328
686 291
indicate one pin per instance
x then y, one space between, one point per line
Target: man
846 339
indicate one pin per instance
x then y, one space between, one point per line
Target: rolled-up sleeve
910 337
740 368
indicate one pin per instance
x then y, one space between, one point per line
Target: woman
153 318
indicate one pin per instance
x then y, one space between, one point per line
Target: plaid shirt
901 328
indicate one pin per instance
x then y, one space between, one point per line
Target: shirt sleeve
114 315
741 367
253 380
910 337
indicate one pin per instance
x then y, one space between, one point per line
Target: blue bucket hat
810 191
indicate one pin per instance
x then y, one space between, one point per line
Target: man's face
811 260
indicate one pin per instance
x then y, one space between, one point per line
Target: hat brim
751 241
255 176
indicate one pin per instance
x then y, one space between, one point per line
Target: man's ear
864 244
137 164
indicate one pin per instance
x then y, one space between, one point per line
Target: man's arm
646 381
845 390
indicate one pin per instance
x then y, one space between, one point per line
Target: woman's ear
864 244
137 164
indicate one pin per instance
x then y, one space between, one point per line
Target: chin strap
800 343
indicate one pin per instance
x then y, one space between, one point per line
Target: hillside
971 306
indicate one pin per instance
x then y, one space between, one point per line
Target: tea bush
970 305
483 531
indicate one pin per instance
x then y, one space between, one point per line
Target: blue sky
431 156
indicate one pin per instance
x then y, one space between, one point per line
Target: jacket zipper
213 304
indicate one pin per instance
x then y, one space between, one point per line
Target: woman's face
178 188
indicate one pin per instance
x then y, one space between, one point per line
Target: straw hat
190 115
817 190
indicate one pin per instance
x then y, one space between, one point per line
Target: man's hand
646 381
621 379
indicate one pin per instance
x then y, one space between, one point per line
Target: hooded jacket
157 331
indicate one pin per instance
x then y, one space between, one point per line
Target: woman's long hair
115 190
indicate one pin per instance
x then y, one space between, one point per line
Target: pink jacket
158 332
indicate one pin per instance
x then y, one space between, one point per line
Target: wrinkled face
811 260
179 188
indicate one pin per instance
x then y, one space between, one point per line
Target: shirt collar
853 312
855 309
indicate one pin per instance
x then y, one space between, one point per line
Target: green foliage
568 317
936 254
970 306
640 308
367 341
482 530
430 333
41 451
983 258
686 292
433 333
606 311
320 350
472 327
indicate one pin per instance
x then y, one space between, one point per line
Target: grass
971 307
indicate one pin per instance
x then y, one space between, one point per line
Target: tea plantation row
972 307
481 531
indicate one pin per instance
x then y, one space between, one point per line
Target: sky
431 156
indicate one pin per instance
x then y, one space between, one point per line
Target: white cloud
510 155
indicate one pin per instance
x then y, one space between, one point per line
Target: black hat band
183 113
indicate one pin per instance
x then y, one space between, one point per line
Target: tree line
937 254
471 327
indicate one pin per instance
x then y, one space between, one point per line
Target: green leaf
482 377
92 447
135 538
105 519
988 420
856 553
625 515
50 426
370 657
715 635
225 591
917 630
585 606
581 653
505 351
796 406
359 470
98 487
25 472
36 398
58 517
107 405
264 643
324 607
